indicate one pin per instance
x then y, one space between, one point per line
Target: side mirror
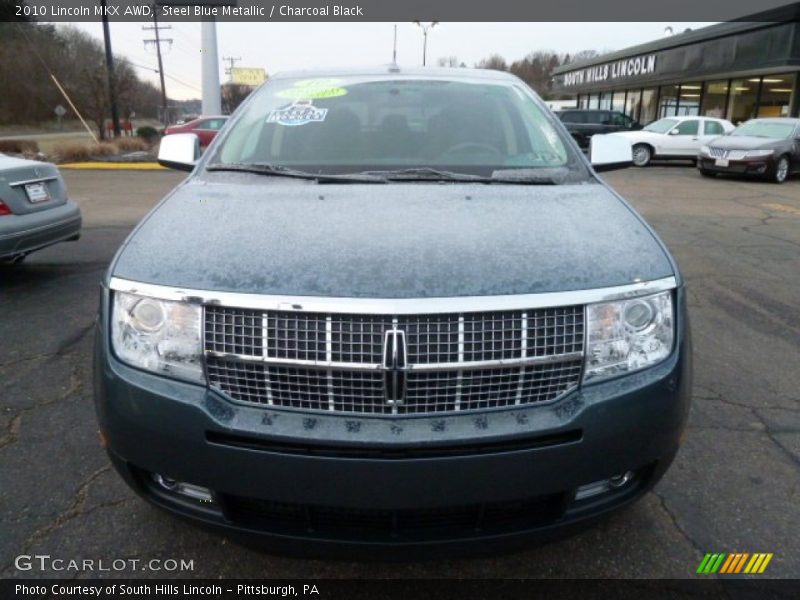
610 152
179 151
673 132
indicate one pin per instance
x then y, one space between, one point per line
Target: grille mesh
363 392
355 344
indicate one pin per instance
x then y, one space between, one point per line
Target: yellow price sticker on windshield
313 89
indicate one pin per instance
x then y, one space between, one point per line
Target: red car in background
205 128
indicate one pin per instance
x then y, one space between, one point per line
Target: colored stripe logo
739 562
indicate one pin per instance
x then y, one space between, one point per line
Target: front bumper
755 167
320 484
21 234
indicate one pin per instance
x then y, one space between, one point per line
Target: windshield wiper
520 176
280 171
425 174
531 176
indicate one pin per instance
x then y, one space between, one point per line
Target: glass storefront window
632 104
715 97
647 113
618 101
594 101
742 103
668 104
776 95
605 100
689 105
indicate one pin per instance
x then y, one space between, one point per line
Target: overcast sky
283 46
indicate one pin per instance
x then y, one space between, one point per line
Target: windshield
767 129
352 125
662 125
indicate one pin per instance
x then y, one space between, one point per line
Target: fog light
619 480
188 490
603 486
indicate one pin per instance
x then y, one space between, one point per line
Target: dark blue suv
392 310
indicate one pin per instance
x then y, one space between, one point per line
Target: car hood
251 234
744 142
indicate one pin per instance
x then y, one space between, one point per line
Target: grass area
67 127
47 144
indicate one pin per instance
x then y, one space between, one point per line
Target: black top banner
399 10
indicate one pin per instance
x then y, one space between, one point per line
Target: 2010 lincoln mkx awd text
392 309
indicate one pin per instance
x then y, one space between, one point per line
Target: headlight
704 150
758 153
628 335
158 335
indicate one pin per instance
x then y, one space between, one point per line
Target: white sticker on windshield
300 112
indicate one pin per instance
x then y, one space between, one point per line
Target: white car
673 137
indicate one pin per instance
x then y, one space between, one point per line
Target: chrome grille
724 153
295 336
358 338
334 362
444 391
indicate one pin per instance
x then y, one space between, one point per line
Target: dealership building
735 70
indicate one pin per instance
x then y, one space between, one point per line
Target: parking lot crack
674 519
12 431
75 385
75 509
64 348
771 435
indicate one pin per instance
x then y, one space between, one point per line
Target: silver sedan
34 209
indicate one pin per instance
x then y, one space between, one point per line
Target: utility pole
112 87
394 46
425 30
212 97
157 42
231 60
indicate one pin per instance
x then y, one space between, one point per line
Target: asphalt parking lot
735 485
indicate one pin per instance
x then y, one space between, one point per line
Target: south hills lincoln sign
612 71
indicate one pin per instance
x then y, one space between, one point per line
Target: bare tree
536 70
77 61
233 95
583 55
449 61
495 61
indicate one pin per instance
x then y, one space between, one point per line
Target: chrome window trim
393 306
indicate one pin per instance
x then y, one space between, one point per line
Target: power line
172 77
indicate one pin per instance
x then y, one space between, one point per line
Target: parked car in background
393 310
34 209
584 123
674 138
205 128
768 148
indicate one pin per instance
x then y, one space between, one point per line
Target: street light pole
425 30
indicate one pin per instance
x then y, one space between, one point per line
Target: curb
113 166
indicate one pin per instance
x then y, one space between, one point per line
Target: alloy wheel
641 155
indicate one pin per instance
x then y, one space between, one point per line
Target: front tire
642 155
781 171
